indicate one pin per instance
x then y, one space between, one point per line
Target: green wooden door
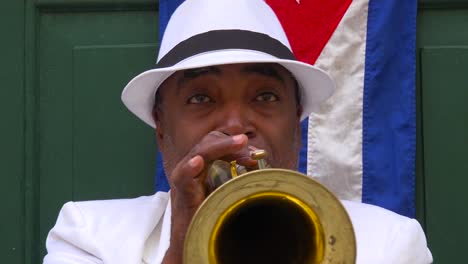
70 137
443 127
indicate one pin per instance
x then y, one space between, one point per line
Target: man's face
258 100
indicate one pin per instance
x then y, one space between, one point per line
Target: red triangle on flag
309 24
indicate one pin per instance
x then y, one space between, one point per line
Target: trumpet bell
270 216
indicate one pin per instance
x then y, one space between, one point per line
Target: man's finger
185 172
212 148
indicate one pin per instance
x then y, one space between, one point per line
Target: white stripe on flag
335 133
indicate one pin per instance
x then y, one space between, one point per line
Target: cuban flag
362 142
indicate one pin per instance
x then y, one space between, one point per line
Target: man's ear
159 127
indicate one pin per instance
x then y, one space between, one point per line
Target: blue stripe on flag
389 119
166 8
161 180
303 152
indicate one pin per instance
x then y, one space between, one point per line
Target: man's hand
188 185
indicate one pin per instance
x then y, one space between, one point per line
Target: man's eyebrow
191 74
263 69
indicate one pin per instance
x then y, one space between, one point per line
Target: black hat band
225 39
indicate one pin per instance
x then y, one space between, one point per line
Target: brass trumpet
268 216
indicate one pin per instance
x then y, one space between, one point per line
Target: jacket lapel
158 242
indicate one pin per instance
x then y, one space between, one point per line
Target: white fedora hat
215 32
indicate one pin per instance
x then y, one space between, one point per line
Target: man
226 82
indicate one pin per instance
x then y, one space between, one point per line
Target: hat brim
316 86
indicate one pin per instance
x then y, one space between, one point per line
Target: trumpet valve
259 155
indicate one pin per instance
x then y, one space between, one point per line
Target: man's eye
199 99
266 97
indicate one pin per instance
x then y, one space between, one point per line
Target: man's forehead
270 70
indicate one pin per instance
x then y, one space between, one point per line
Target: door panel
90 145
443 127
103 167
445 124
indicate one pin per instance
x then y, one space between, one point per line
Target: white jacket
138 230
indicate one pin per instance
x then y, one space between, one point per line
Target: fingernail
252 148
193 161
238 139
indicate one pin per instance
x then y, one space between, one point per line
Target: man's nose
235 120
